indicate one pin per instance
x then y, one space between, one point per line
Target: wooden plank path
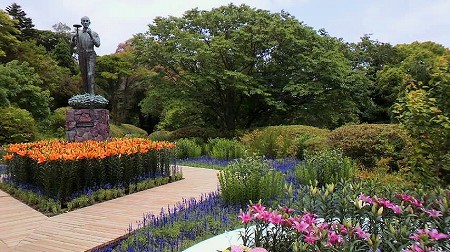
24 229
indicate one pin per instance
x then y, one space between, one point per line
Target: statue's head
85 22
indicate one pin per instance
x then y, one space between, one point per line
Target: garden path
24 229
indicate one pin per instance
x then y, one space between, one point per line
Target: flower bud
347 223
380 212
391 228
330 187
358 204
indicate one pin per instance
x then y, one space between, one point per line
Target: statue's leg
84 71
91 72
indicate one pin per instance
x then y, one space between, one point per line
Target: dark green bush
325 167
16 126
250 178
198 132
371 144
187 148
281 141
57 122
224 149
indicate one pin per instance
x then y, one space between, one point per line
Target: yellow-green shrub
187 148
325 167
250 179
281 141
225 149
161 135
198 132
134 131
126 130
369 144
16 125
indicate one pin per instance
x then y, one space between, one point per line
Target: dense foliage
224 149
281 141
17 125
214 73
250 178
424 110
345 216
325 167
253 65
374 145
187 148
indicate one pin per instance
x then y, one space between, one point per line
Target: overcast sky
391 21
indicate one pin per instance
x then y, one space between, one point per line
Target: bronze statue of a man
84 41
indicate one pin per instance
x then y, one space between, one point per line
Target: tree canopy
19 86
8 33
232 67
239 67
24 24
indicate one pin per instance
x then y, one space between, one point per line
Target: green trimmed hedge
373 145
281 141
126 130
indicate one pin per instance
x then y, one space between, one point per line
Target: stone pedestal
87 124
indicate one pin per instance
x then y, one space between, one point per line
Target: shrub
126 130
161 135
248 179
280 141
16 125
326 166
367 144
187 148
133 131
115 130
198 132
224 149
58 122
381 176
317 143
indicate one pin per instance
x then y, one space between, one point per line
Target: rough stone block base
87 124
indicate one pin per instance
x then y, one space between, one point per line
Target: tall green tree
413 63
20 87
371 56
51 74
8 36
236 67
315 79
24 24
424 110
62 50
120 80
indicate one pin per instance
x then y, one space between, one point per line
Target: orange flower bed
60 169
52 150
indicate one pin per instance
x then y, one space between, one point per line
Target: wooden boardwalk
24 229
